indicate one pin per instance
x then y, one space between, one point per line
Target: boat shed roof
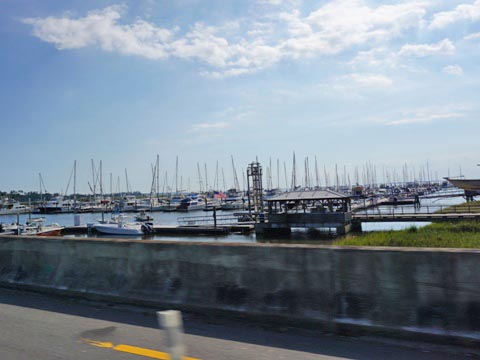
309 195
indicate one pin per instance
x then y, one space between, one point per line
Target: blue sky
350 81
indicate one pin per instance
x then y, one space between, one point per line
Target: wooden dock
219 230
414 217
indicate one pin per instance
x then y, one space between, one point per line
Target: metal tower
255 188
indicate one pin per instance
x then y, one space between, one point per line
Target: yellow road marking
153 354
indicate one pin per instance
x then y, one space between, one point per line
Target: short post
214 216
171 322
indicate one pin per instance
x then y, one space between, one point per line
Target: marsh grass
465 234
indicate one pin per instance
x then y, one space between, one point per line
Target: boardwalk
409 217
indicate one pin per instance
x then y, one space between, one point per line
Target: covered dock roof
309 195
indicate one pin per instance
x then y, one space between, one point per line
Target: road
35 326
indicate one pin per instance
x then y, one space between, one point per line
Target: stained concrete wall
391 289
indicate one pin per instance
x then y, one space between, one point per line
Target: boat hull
116 230
52 232
466 184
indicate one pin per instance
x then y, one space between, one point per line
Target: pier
306 209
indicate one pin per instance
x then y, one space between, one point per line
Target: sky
348 81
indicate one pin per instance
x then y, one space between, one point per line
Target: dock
219 230
414 217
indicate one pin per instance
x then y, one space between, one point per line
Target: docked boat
171 204
143 217
37 227
123 228
55 205
191 204
14 208
234 203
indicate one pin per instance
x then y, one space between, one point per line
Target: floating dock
219 230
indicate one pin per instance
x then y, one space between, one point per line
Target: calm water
300 236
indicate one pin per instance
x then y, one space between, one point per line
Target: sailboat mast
75 185
158 176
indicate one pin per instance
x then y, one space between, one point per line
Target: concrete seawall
392 290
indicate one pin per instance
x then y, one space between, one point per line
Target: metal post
214 216
171 322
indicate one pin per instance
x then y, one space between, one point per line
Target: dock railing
427 209
213 220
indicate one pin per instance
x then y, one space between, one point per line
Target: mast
199 178
223 180
93 183
176 175
236 184
101 181
294 175
75 185
158 176
215 185
278 173
206 178
126 181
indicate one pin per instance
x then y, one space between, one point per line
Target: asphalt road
40 327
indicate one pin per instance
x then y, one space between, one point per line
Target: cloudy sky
348 81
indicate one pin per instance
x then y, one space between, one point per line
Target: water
298 236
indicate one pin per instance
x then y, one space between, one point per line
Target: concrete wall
391 289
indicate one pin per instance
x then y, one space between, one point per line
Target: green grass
465 234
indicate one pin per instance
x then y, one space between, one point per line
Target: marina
201 225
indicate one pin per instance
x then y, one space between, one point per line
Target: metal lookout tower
255 188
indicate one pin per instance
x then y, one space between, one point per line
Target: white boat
123 228
171 204
15 208
55 205
143 217
234 203
38 228
191 204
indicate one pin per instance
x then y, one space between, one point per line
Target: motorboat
14 208
123 228
37 227
171 204
191 203
143 217
55 205
234 203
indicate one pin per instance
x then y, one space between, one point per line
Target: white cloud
429 115
334 27
444 47
99 28
355 85
271 2
210 126
453 70
472 36
367 80
461 12
376 58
